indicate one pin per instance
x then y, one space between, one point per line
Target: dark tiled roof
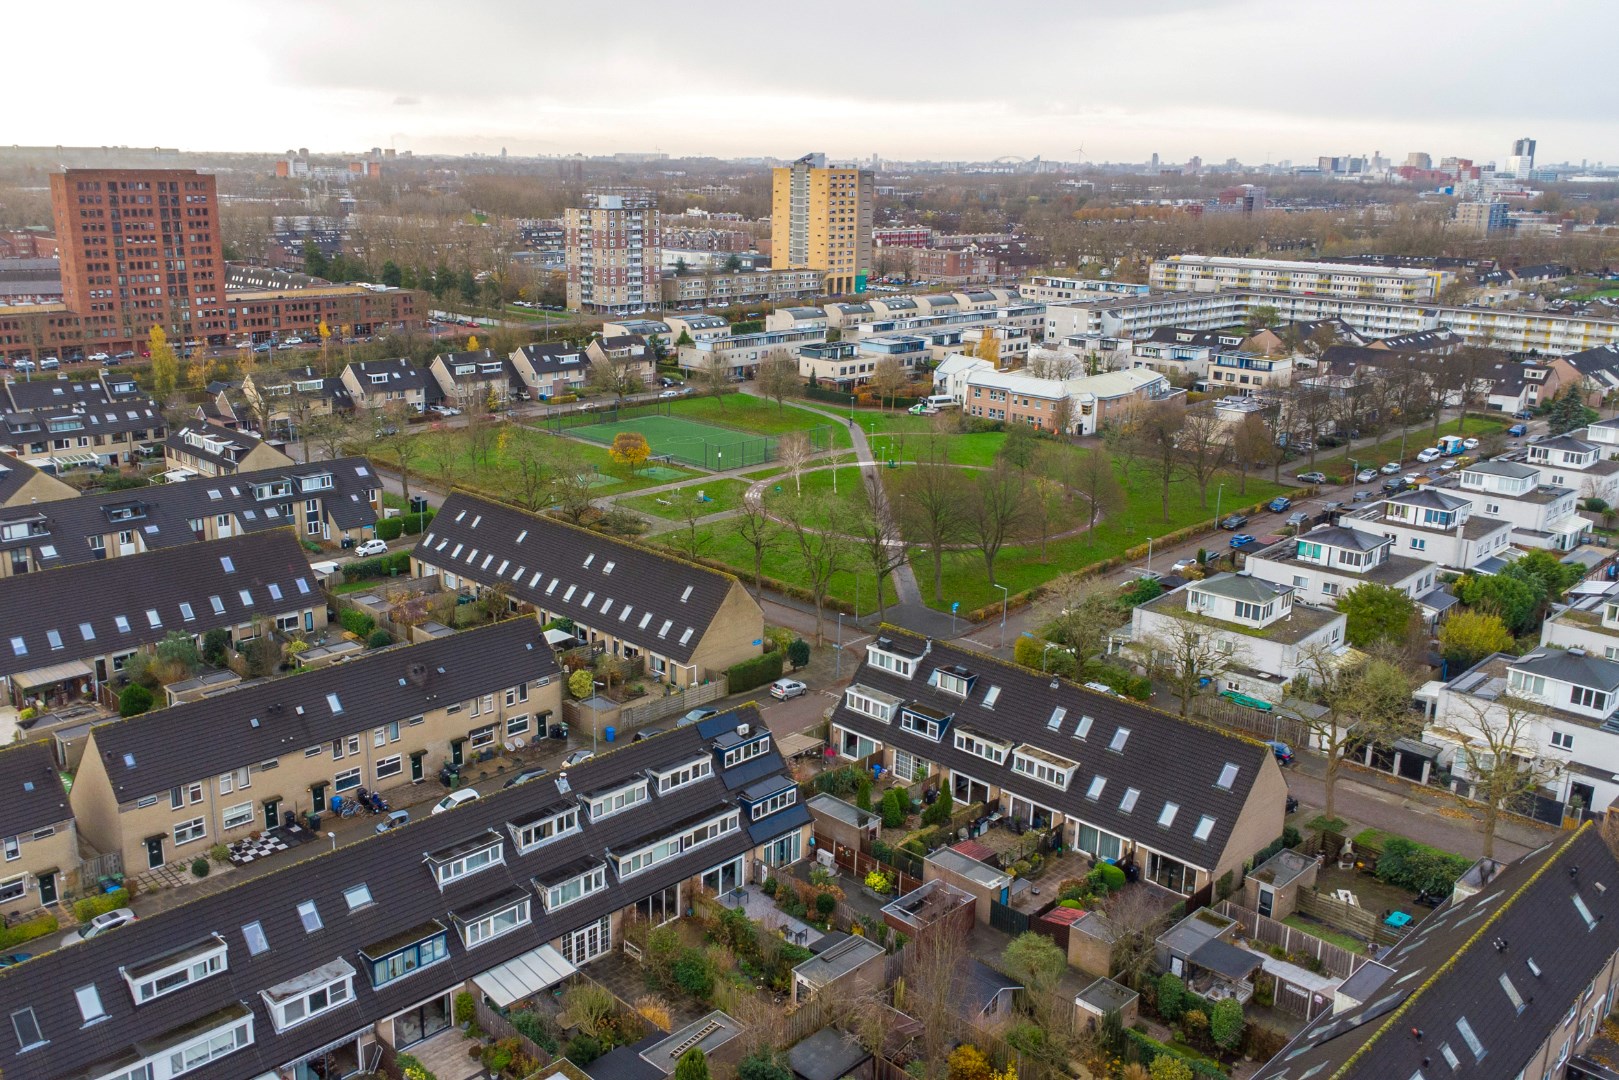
477 359
661 603
404 896
110 405
234 444
264 720
162 513
1164 758
402 375
1578 667
31 792
13 475
544 358
63 600
1523 926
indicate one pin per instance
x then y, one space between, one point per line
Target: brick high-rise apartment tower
140 247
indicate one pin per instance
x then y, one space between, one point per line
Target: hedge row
91 906
403 525
390 565
38 926
755 672
1150 1049
357 622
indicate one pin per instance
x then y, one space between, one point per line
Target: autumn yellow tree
989 348
165 364
630 450
472 343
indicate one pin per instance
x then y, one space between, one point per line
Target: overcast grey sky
1260 80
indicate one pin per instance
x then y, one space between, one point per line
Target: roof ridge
1451 960
239 538
1019 668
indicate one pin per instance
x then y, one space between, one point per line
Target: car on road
697 715
578 757
1282 752
1390 469
1311 478
1363 494
922 408
51 363
394 819
386 430
646 733
294 340
24 365
1394 484
244 344
372 547
524 777
459 797
782 689
1470 444
1517 431
1447 466
107 920
99 357
1429 453
13 959
266 347
1278 504
670 393
1241 540
1297 518
1366 476
444 410
1234 522
1523 414
124 356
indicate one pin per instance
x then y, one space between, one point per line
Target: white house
1541 515
1590 622
1564 703
1564 461
950 377
1267 636
1434 526
1326 562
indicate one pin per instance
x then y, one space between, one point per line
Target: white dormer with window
956 681
687 772
465 859
882 654
607 803
177 1051
177 970
756 746
983 746
1037 764
644 858
542 828
587 883
924 721
1564 453
873 703
1240 599
309 995
1507 478
1426 517
1322 550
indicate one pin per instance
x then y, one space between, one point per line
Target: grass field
1371 457
687 441
757 414
782 562
445 457
849 499
724 495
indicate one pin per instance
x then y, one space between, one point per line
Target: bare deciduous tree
713 377
755 528
1189 655
1498 753
1205 449
886 379
793 450
817 534
778 376
929 510
995 511
877 541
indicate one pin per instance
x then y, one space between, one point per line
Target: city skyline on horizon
1219 79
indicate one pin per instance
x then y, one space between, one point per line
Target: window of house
237 816
1586 698
1563 740
388 766
309 915
565 893
494 924
746 752
187 831
688 773
623 798
532 834
154 983
468 863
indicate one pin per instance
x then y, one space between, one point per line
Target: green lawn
977 448
756 414
1021 568
724 495
850 497
782 562
1371 457
445 457
1325 933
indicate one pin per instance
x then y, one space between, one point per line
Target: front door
317 796
455 752
416 766
47 889
272 813
1267 900
154 852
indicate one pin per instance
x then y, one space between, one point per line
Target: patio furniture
1397 919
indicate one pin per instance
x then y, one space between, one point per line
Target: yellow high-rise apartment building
821 220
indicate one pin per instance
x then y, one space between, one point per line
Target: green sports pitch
688 442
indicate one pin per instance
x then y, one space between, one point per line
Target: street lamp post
1049 646
1004 595
851 410
1217 497
1149 556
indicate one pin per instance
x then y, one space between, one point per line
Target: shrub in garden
754 672
356 622
1107 876
91 906
1171 997
134 700
693 1065
941 810
28 930
199 867
583 1049
411 1068
1226 1023
378 639
1169 1067
769 886
825 905
1418 867
798 653
879 882
694 974
581 684
464 1007
894 808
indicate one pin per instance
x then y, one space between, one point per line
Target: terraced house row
1181 803
302 973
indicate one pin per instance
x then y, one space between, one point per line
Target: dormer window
687 773
463 860
992 750
176 970
607 803
1037 764
530 833
872 703
923 721
309 995
575 888
903 666
746 752
958 681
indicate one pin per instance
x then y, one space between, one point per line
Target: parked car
1363 494
578 757
670 393
1390 469
107 920
372 547
1394 484
394 819
99 357
524 777
922 408
1366 476
50 363
459 797
25 365
646 733
1470 444
1523 414
1278 504
697 715
1241 540
1429 453
1282 751
782 689
1517 431
1311 478
1234 522
444 410
294 340
13 959
124 356
1297 518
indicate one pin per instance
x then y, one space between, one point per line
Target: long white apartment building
1549 333
1209 273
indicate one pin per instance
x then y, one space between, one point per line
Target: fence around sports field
707 444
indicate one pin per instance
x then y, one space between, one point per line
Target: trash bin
608 734
312 820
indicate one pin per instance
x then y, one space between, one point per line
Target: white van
941 401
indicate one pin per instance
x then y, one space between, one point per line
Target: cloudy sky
1259 80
